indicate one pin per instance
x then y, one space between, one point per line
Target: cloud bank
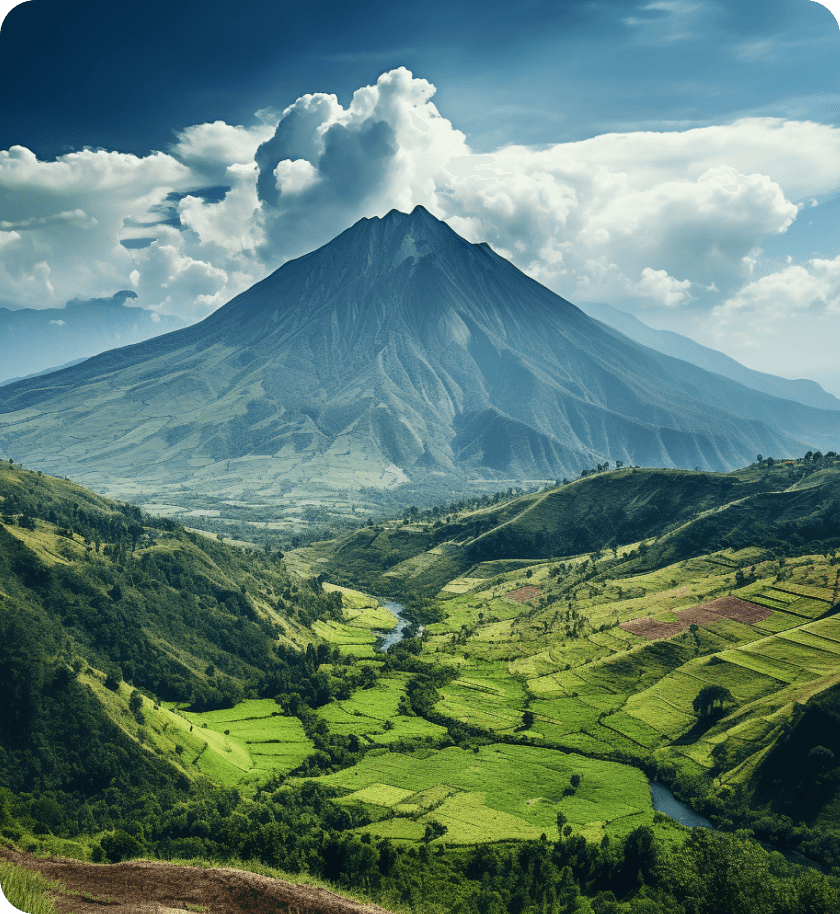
672 221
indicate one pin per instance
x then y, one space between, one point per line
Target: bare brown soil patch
733 608
523 594
142 887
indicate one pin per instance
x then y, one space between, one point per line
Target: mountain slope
804 391
688 514
396 351
35 341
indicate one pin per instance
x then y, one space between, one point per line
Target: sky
678 159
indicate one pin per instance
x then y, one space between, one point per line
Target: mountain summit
397 351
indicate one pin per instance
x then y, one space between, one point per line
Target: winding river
395 635
665 802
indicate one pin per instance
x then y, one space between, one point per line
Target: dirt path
138 887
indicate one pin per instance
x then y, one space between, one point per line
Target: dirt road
138 887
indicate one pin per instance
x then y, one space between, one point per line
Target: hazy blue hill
396 351
34 341
667 342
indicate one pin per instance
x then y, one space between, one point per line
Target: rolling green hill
172 696
678 513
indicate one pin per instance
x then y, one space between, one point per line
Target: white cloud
662 288
209 149
781 295
663 217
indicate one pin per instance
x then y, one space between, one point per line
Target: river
395 635
665 802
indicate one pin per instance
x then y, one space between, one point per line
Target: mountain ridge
396 351
38 341
668 342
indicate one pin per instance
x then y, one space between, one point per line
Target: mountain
801 390
35 341
397 351
37 374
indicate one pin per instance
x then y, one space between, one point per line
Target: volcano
398 351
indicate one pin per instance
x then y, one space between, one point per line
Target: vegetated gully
663 800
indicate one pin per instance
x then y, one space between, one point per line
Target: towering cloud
669 220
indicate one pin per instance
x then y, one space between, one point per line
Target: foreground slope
397 351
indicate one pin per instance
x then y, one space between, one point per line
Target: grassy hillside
678 513
174 697
113 624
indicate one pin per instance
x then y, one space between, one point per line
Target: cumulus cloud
662 288
672 220
327 166
798 288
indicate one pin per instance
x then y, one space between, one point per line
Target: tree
135 705
710 696
434 830
527 720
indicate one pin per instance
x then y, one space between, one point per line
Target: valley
534 694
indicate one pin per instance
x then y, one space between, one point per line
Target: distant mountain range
398 351
37 340
681 347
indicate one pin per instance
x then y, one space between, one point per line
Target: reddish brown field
141 887
523 594
733 608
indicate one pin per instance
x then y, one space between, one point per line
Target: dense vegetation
171 696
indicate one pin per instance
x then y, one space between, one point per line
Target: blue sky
143 151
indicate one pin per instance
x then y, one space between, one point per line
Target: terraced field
497 792
248 742
613 664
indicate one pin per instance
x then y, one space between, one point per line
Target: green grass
259 741
26 890
498 793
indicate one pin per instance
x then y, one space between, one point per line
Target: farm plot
500 792
523 594
633 728
784 672
560 716
745 685
249 742
659 714
483 702
356 640
809 660
733 608
372 714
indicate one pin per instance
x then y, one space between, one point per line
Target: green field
248 742
496 793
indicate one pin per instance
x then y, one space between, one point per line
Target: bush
121 846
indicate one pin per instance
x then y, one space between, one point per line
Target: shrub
121 846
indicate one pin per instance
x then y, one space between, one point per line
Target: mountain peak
396 351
